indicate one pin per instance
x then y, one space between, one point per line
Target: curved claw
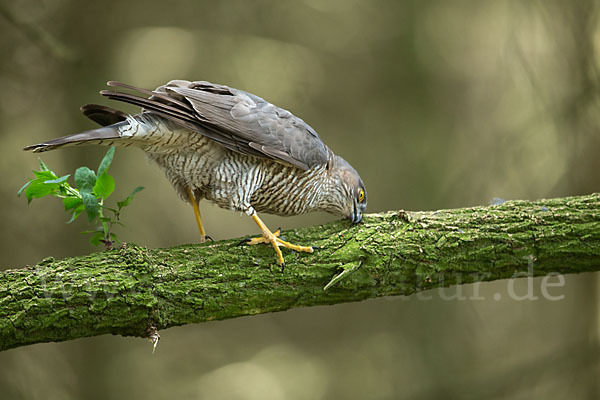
243 241
274 239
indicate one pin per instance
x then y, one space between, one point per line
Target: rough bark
135 290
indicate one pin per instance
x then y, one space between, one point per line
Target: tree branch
134 290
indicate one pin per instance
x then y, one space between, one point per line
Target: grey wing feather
238 120
103 115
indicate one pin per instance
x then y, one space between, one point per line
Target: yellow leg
273 238
197 214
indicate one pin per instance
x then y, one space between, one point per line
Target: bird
229 147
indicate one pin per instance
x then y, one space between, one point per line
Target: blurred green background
438 104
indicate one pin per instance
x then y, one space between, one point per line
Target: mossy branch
135 291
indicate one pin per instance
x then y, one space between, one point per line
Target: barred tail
106 136
113 121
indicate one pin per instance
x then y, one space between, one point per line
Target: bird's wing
236 119
103 115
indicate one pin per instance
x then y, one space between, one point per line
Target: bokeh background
438 104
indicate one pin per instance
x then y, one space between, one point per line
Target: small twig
348 269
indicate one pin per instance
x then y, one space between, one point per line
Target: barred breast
232 180
237 182
287 190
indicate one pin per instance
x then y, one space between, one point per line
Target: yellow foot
273 238
261 239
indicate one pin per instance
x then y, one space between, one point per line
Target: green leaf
85 179
105 227
95 240
23 188
78 210
72 202
125 202
43 166
92 208
105 184
44 175
39 189
114 237
106 161
59 180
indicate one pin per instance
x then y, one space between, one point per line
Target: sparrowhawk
230 147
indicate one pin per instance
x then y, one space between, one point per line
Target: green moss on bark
130 290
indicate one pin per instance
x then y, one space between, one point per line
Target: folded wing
236 119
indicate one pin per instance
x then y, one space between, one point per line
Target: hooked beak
356 216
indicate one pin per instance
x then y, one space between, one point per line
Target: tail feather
103 115
107 134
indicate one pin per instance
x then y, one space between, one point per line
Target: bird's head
348 196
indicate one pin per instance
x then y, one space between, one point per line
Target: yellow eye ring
361 195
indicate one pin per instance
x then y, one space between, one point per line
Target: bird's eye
361 195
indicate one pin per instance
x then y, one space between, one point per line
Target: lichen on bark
135 290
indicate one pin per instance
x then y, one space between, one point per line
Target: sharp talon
316 247
282 267
243 241
209 238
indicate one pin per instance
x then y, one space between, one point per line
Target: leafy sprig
88 195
